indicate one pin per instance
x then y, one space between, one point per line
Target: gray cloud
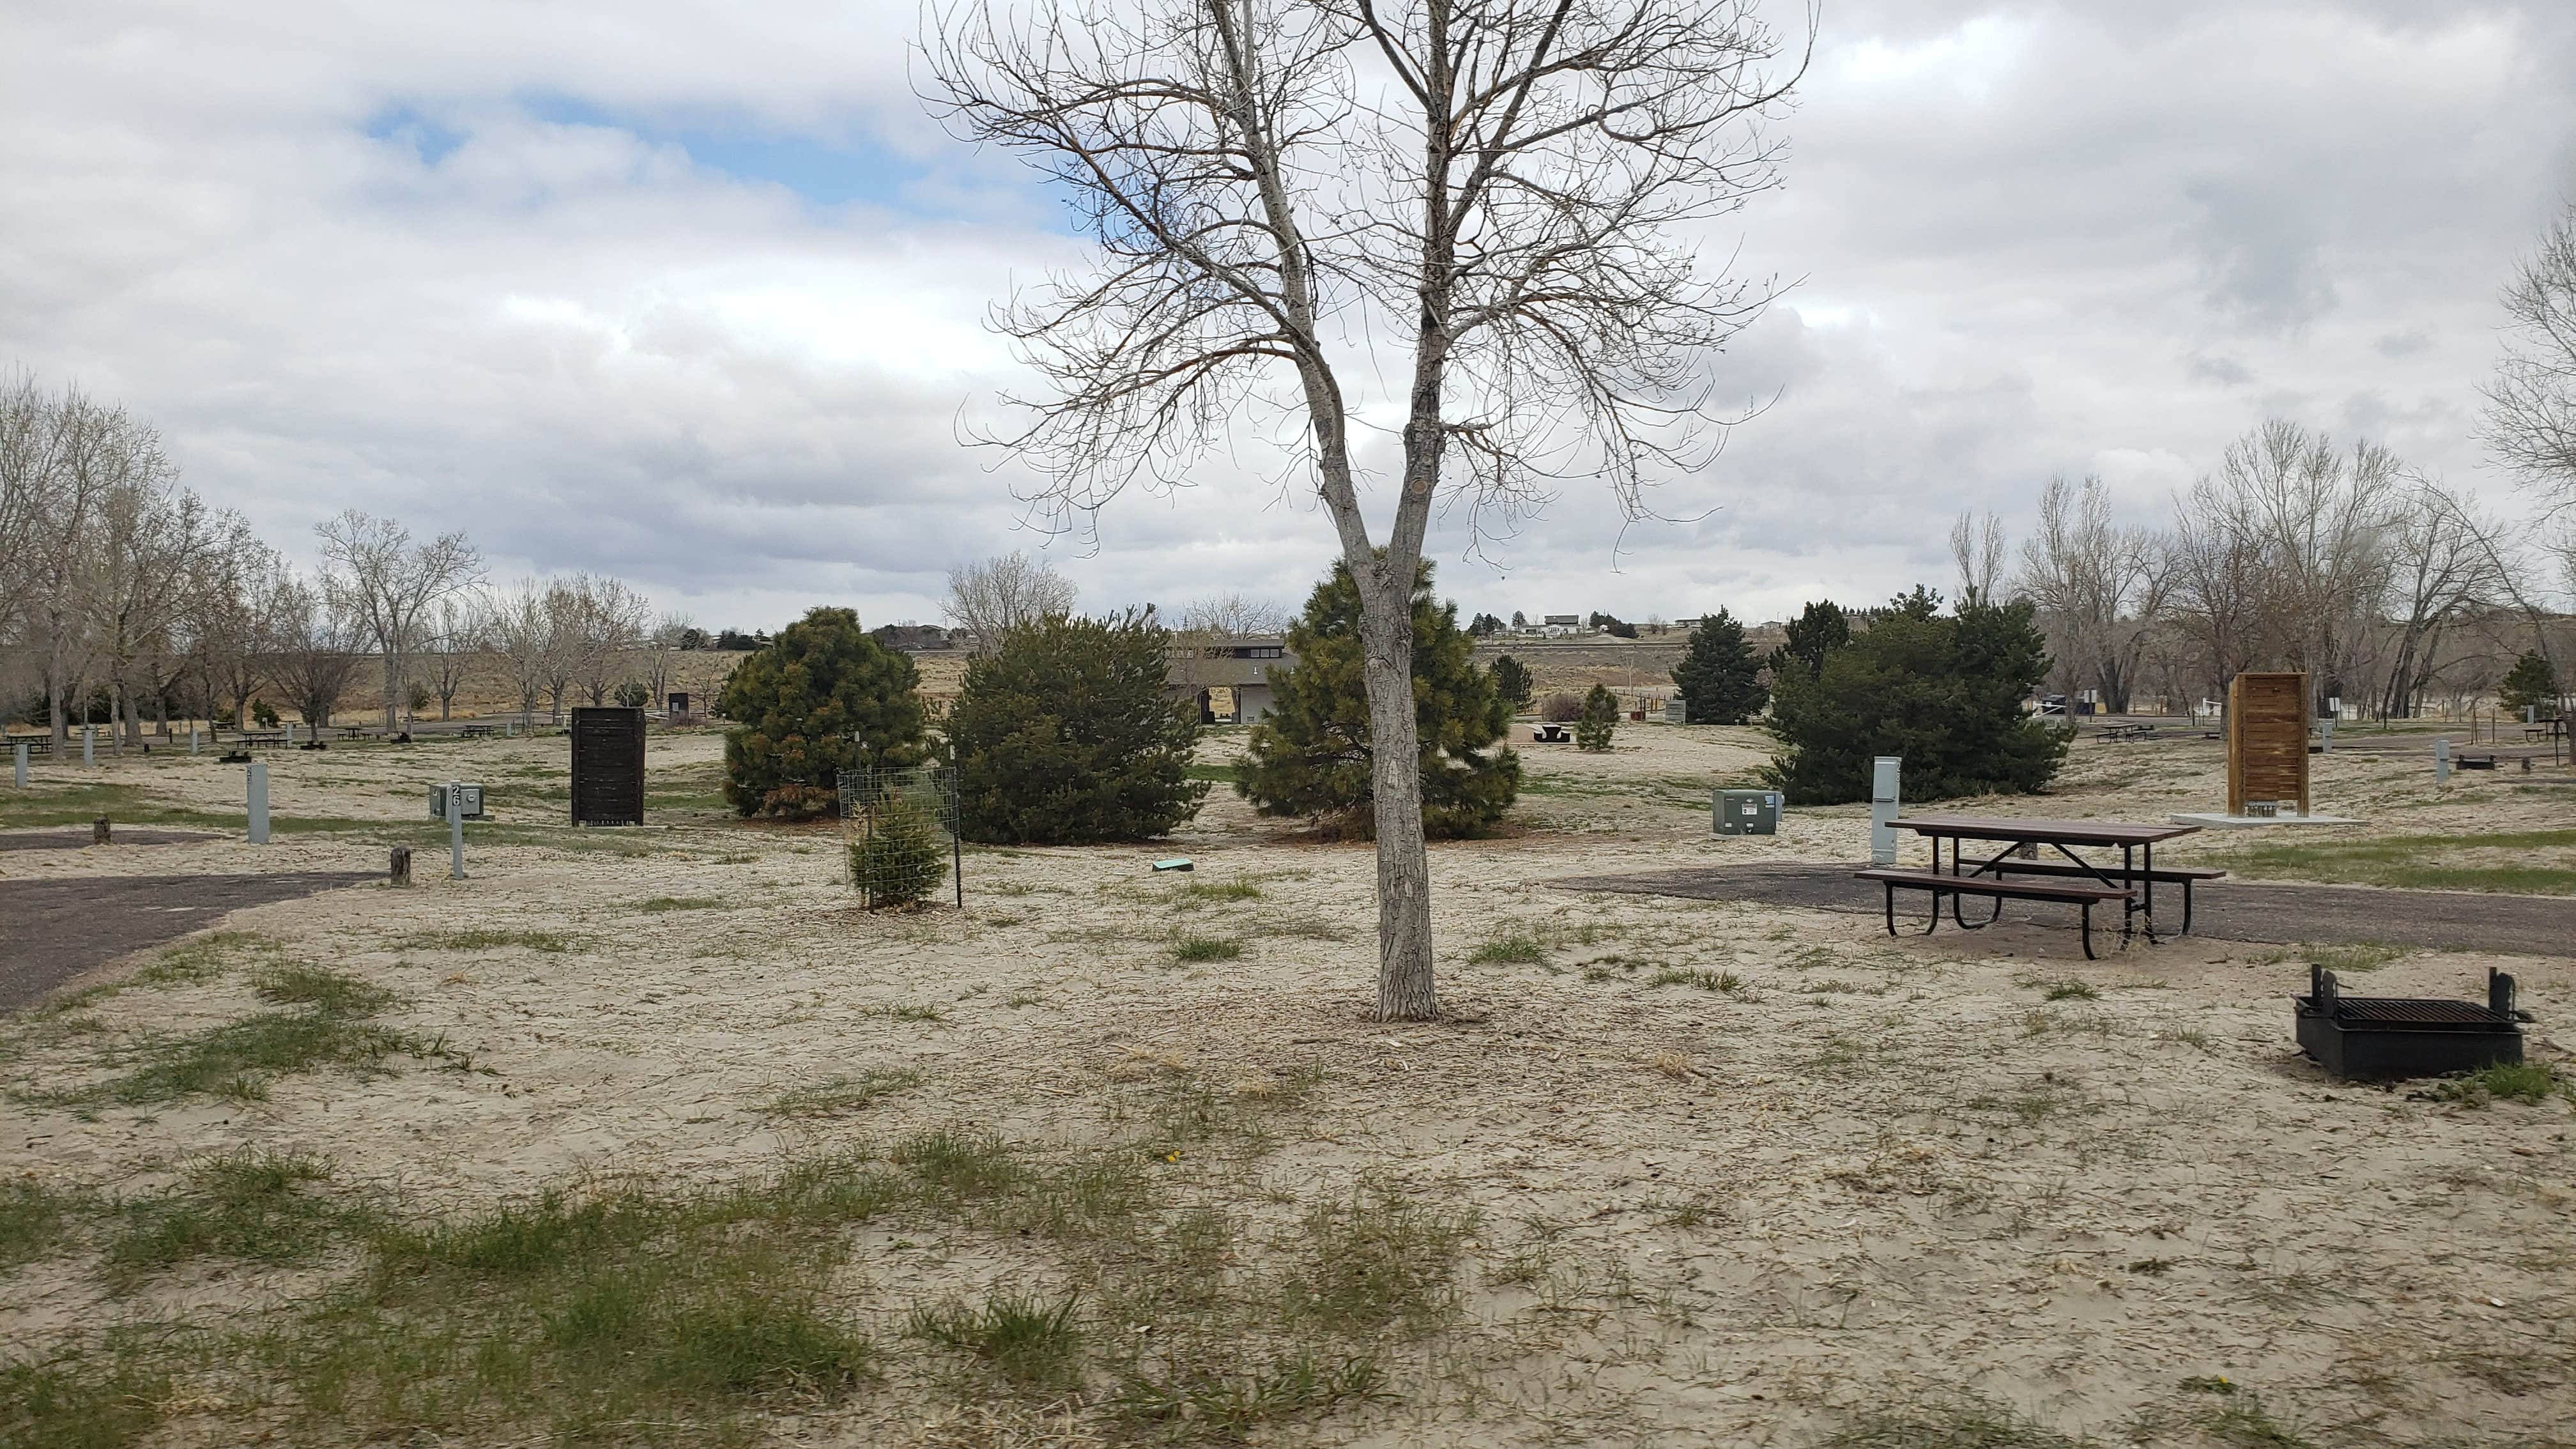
471 265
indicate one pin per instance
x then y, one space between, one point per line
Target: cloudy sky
694 293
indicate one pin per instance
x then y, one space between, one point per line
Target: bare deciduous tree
2530 421
1977 550
985 599
1233 616
455 637
1491 186
314 647
378 577
521 629
2099 589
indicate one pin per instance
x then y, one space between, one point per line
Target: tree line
127 600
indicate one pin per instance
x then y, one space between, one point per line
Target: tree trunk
393 684
1405 987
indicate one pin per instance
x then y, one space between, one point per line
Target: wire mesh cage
899 834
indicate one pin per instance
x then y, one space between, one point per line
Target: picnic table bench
1549 734
36 744
476 731
2076 881
356 732
249 738
2132 731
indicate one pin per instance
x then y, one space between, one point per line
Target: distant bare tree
2530 420
606 622
1977 549
520 626
227 623
378 577
987 598
2099 589
2443 571
663 645
1496 187
314 647
456 635
61 454
1233 616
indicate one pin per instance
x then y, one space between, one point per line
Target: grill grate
2415 1011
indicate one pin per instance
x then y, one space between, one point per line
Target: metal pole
21 753
89 755
455 831
2441 759
1883 808
258 804
192 738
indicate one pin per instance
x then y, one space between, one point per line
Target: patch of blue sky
824 171
404 126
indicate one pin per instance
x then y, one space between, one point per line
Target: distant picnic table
476 731
1549 734
2072 881
2131 731
36 744
249 738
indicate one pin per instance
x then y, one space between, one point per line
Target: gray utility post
21 763
89 754
1883 809
192 739
455 831
290 734
2441 759
258 804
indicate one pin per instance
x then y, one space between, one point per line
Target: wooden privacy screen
2267 740
608 767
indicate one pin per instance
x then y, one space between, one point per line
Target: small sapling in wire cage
899 832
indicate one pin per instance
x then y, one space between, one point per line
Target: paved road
2224 910
80 839
54 930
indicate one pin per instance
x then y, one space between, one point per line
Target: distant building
913 638
1229 677
1569 621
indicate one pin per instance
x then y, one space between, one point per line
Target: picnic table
2131 731
476 732
262 737
2073 881
355 732
36 744
1549 734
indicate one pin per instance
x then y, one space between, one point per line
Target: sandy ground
1876 1169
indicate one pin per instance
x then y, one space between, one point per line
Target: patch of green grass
2506 1082
1518 948
33 1217
106 1397
2412 861
1703 978
255 1205
1217 774
959 1162
1378 1258
490 939
2237 1420
239 1058
1240 888
1205 948
1227 1399
206 957
661 904
329 993
2072 991
841 1094
1024 1337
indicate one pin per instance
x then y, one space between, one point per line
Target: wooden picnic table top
2060 832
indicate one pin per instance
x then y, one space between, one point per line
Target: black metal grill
2405 1036
2415 1011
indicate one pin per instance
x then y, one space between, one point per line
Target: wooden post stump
401 869
98 831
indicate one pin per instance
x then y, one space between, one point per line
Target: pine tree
1943 692
1599 720
2531 682
1512 682
1311 756
806 705
1819 630
1065 736
901 858
1719 678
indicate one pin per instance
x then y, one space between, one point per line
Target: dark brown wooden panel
608 766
